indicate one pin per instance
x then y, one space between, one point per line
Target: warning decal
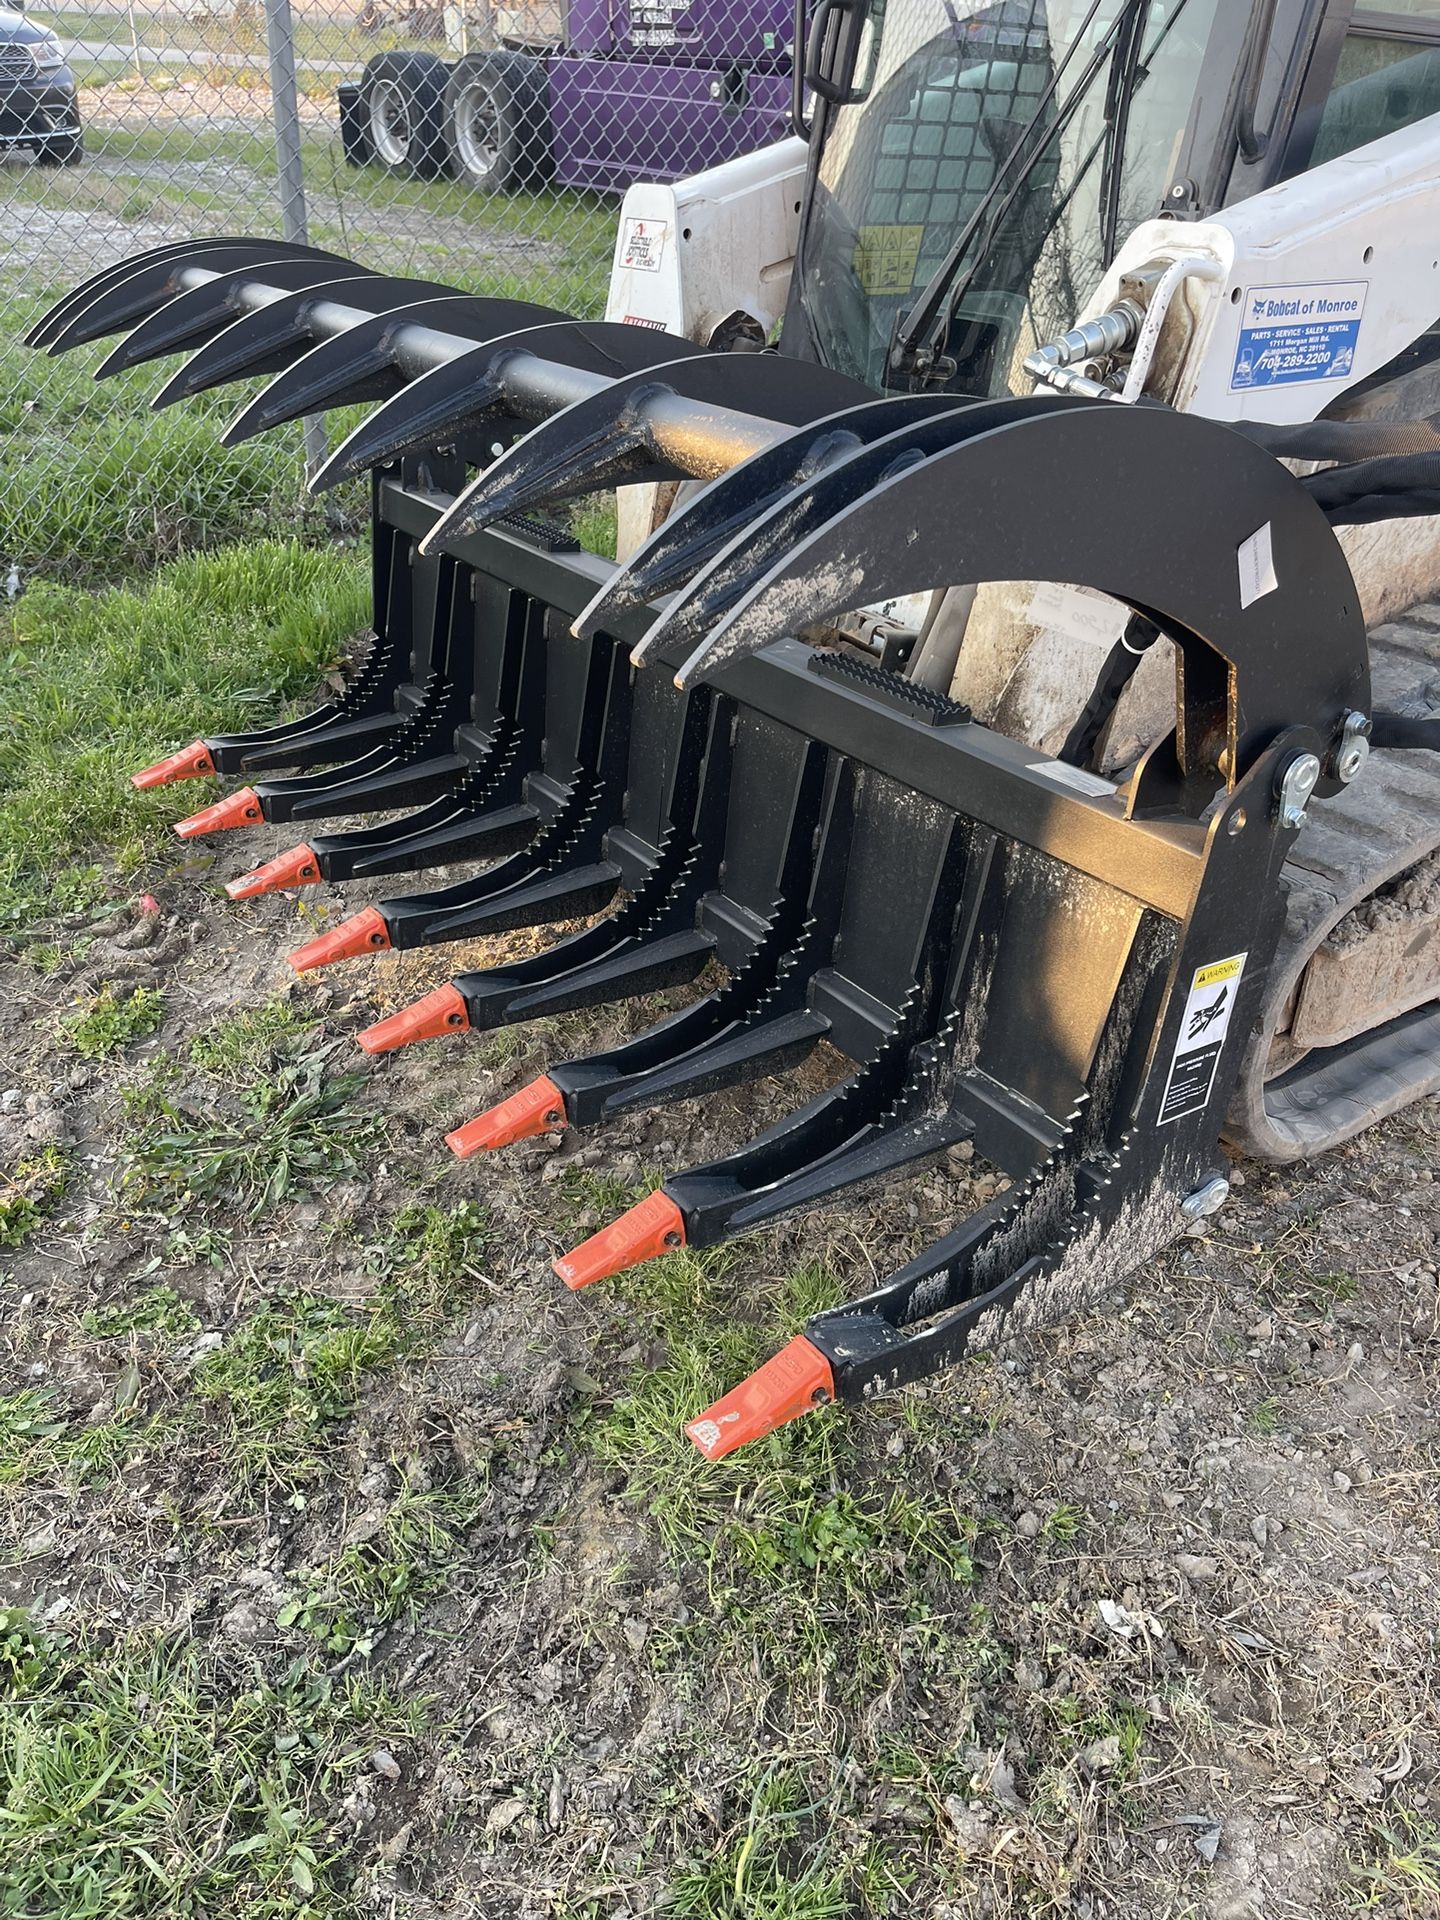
886 258
642 245
1203 1028
1298 333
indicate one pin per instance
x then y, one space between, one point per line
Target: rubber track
1350 847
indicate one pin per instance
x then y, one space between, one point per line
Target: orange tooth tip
441 1012
240 809
362 933
653 1227
797 1380
297 868
538 1108
188 764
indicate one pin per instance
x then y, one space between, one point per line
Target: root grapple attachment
992 946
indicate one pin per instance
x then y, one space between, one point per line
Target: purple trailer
654 91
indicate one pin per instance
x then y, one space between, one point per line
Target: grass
266 1403
820 1566
782 1861
142 1776
292 1370
98 684
1399 1872
100 487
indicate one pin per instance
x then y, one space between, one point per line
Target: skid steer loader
992 706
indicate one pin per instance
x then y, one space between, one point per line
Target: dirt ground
1191 1670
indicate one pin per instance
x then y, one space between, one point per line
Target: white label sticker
1078 613
1076 777
642 245
1203 1028
1256 561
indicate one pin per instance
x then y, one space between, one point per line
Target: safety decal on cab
1203 1028
886 258
642 245
1289 334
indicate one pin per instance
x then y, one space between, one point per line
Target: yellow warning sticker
1219 970
886 258
1203 1027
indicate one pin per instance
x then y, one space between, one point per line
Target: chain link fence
483 147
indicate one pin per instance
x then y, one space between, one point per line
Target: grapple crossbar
998 947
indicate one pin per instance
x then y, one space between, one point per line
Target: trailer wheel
402 99
497 121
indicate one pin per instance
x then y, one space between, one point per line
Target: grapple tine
364 362
458 395
778 526
731 503
428 412
270 339
619 434
904 535
51 320
195 316
796 1381
148 284
605 457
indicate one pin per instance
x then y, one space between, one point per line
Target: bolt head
1207 1199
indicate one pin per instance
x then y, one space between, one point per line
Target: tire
62 153
497 122
402 103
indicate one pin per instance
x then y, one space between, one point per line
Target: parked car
39 103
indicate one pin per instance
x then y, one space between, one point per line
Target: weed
27 1419
27 1194
373 1580
158 1310
1063 1522
286 1124
107 1024
204 1246
801 1534
427 1259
